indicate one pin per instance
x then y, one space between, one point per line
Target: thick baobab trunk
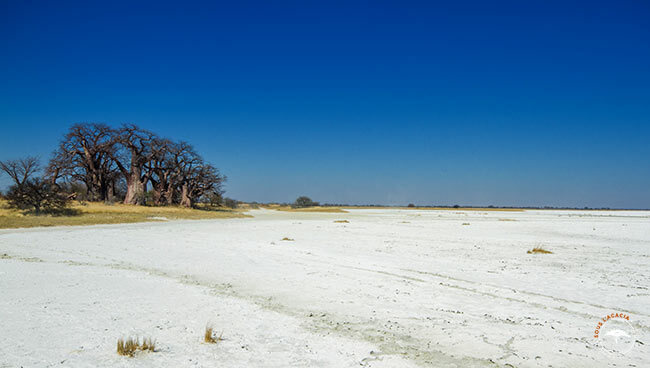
110 193
134 192
163 196
169 195
97 190
157 189
135 188
103 191
186 199
163 190
158 197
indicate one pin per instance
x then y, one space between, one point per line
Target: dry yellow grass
287 239
126 348
148 344
209 335
99 213
506 219
131 345
539 250
342 221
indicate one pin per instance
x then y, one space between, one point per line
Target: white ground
391 288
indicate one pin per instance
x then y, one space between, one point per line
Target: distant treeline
411 205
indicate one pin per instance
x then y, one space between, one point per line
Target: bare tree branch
20 170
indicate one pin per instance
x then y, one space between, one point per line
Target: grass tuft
287 239
148 344
539 250
209 335
131 345
342 221
465 223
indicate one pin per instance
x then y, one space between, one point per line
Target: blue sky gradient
477 103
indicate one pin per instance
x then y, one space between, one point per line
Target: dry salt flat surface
390 288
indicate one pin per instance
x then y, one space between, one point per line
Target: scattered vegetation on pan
465 223
131 345
342 221
314 209
303 204
434 208
506 219
539 250
287 239
92 213
210 337
24 259
288 208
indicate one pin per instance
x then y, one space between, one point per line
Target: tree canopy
124 163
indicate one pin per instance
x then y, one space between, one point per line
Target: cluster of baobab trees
133 163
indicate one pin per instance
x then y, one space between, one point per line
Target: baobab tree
160 170
103 158
133 159
166 167
195 178
204 179
86 154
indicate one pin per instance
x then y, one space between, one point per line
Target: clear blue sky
478 103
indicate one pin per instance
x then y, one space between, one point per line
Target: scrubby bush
230 203
303 201
31 193
149 197
75 190
141 198
214 199
411 205
37 196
